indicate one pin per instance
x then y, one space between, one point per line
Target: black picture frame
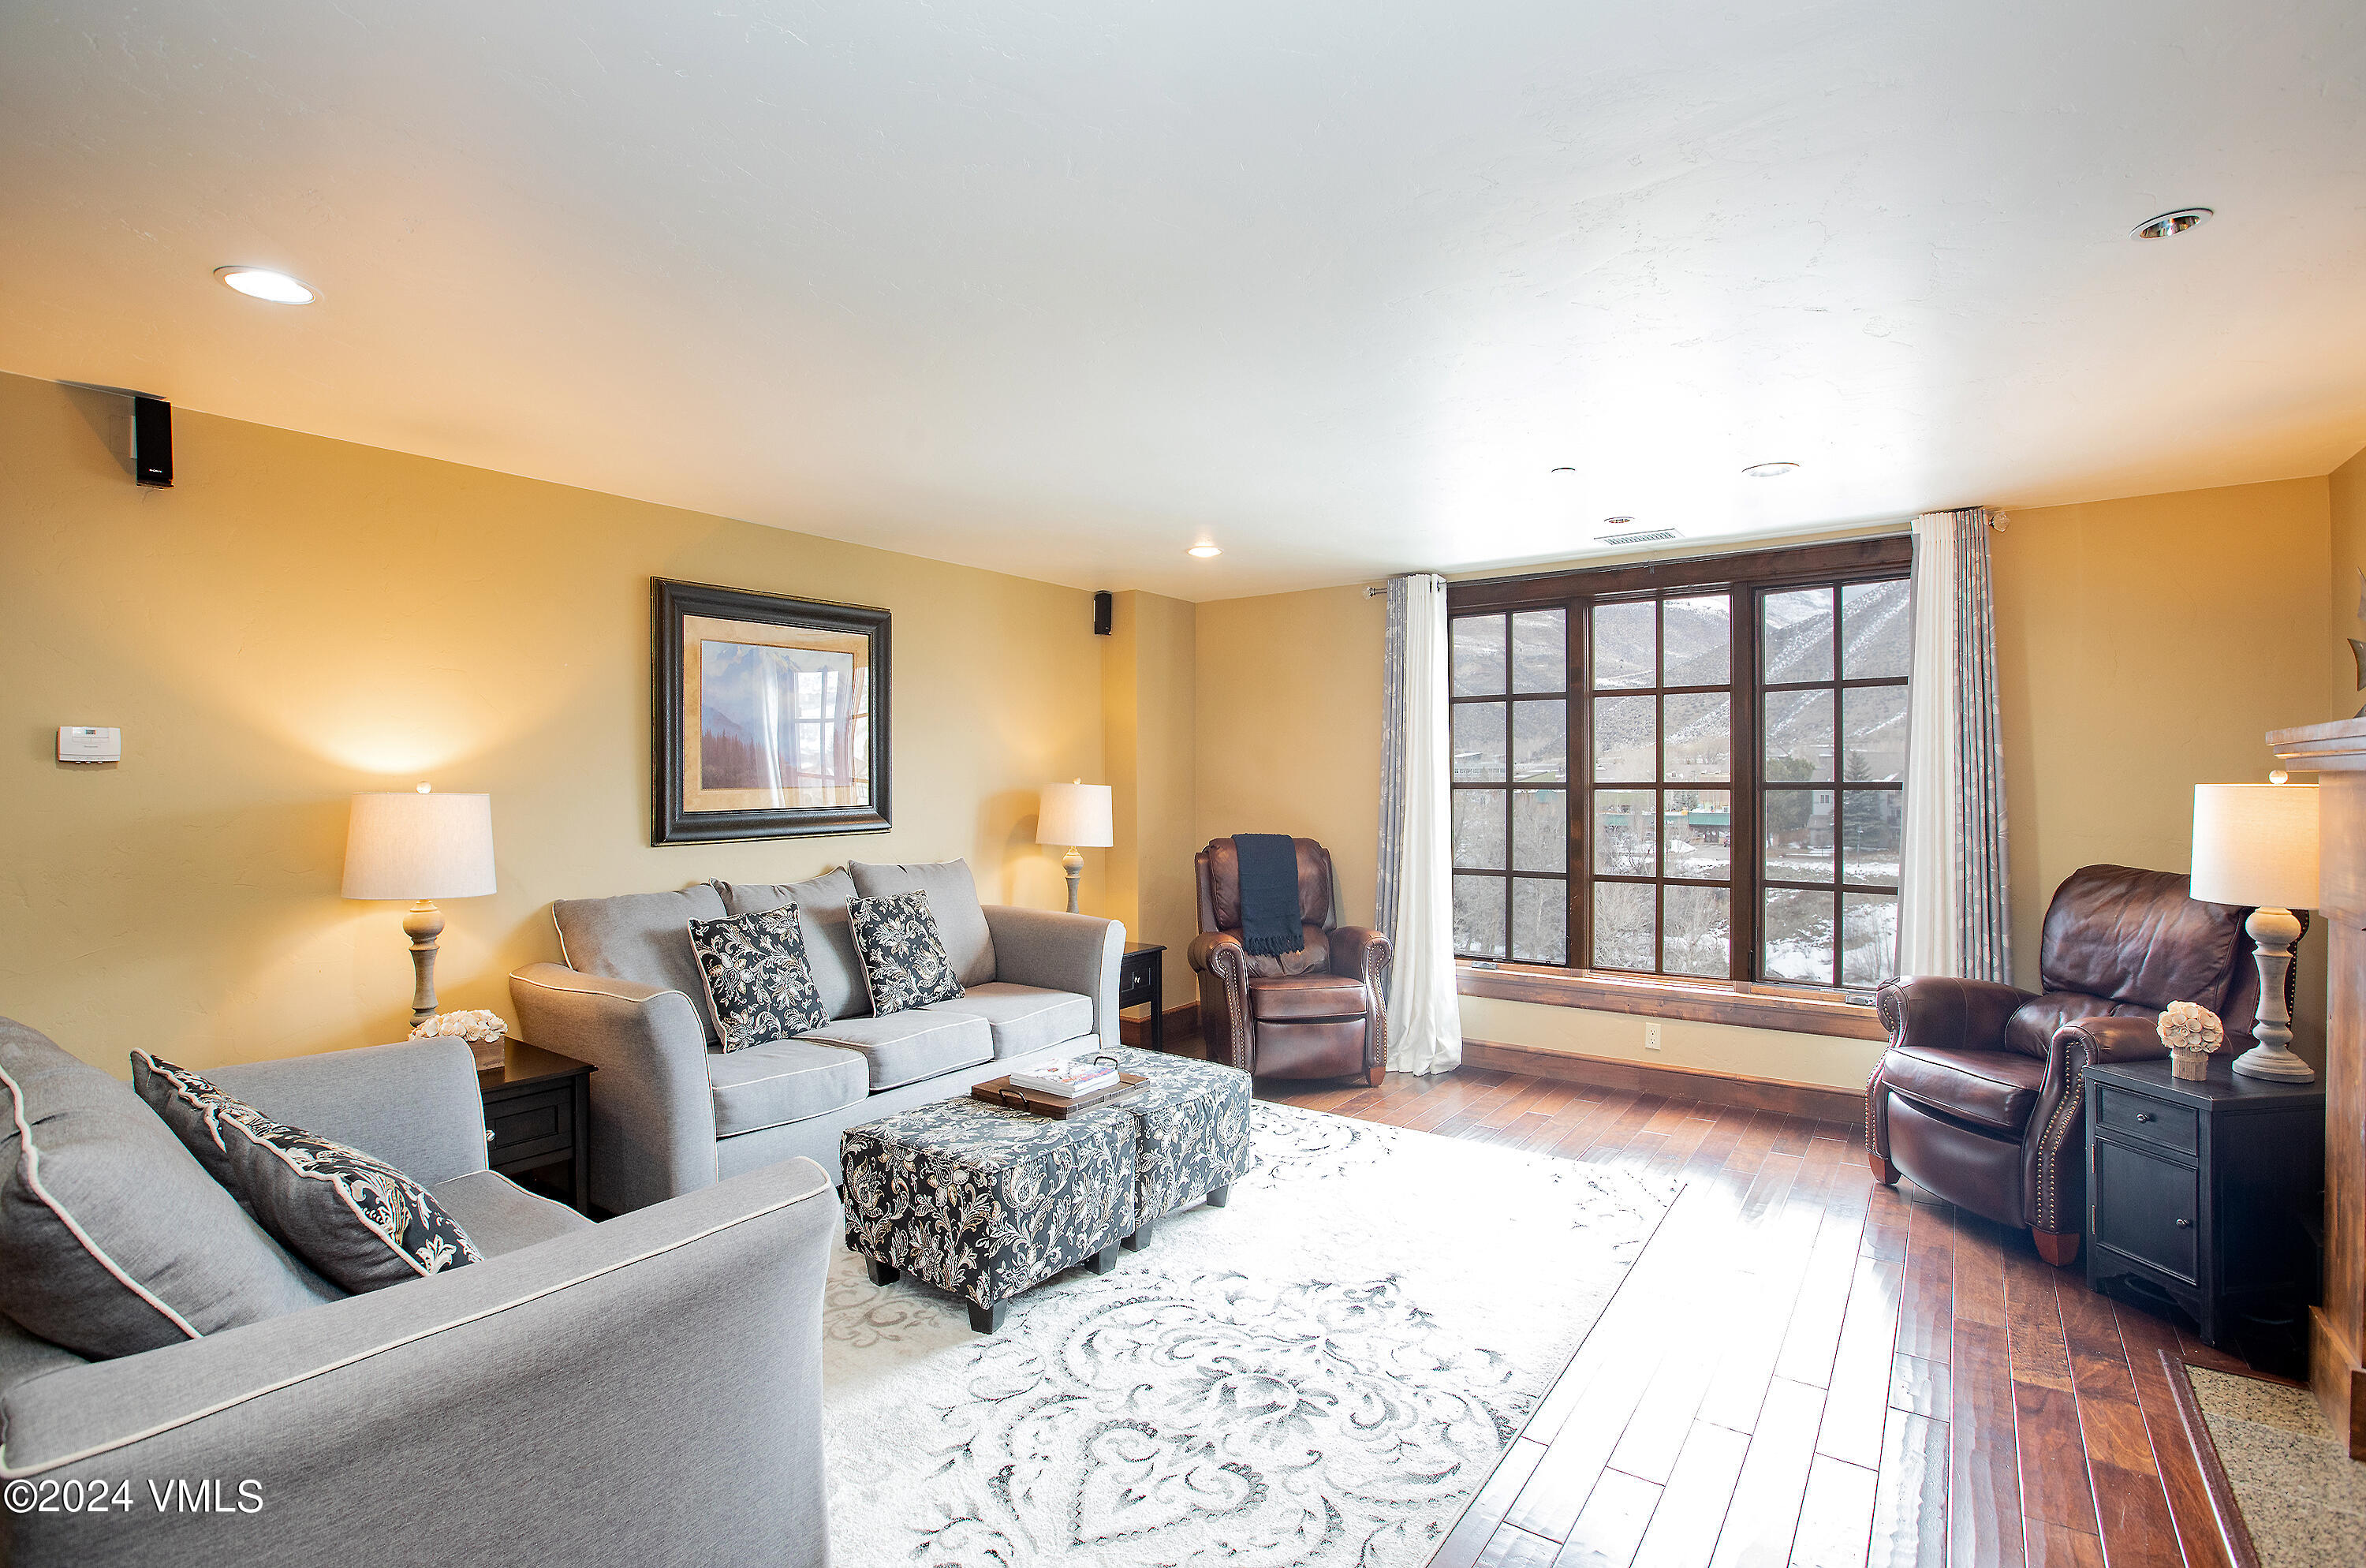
683 811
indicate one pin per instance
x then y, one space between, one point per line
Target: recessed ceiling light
1204 552
1769 471
261 283
2170 224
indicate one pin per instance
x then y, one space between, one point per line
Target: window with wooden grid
1691 769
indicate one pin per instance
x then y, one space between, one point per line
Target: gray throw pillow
904 960
112 1239
351 1215
952 896
757 982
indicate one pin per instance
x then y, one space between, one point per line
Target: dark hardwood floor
1804 1368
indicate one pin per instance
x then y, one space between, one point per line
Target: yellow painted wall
2346 499
2144 647
301 618
1147 678
1287 690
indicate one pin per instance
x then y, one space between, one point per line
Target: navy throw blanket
1269 917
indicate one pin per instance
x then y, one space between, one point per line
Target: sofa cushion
822 904
1308 996
349 1214
907 1046
640 937
781 1081
904 961
113 1239
1995 1089
757 986
1023 1017
500 1216
953 895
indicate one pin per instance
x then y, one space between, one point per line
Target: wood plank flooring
1804 1369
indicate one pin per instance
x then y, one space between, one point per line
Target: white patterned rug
1320 1373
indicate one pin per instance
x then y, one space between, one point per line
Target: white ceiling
1060 288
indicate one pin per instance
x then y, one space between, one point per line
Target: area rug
1322 1372
2303 1497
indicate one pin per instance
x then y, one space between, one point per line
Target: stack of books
1066 1080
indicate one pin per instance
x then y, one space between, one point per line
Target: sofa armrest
1060 952
570 1400
1945 1012
652 1112
415 1104
2110 1038
1223 966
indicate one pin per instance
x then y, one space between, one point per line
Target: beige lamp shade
417 845
1075 814
2256 844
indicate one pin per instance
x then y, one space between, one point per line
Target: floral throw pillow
904 960
358 1221
759 985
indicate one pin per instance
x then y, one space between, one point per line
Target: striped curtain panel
1415 897
1952 917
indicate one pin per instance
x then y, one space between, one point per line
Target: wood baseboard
2337 1380
2233 1535
1182 1024
1740 1092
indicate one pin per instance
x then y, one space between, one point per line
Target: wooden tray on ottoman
997 1091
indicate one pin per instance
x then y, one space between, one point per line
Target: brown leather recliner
1315 1013
1980 1096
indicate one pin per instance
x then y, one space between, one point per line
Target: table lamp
1077 815
2257 844
421 846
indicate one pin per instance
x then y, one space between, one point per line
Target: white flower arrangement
2190 1031
477 1026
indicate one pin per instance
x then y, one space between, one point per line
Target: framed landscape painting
769 715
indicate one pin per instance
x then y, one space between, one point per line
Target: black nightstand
538 1117
1140 978
2203 1191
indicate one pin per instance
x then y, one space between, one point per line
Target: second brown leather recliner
1979 1099
1313 1013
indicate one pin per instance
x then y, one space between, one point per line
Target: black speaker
1102 603
151 441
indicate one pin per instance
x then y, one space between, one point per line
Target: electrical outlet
1651 1035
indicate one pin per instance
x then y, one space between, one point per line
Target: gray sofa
671 1113
559 1402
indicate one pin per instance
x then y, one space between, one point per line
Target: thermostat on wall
85 743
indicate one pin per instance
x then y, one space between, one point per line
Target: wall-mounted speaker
151 441
1104 604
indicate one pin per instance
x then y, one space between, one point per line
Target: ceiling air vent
1636 535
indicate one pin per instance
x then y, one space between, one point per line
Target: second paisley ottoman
1192 1134
985 1201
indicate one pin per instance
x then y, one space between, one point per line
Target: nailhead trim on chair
2050 1146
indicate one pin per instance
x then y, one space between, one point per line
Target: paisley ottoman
1192 1137
985 1201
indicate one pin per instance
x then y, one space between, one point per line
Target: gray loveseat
671 1113
559 1402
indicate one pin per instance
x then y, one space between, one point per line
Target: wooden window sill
1744 1004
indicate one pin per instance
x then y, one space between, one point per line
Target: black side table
2203 1191
1140 978
538 1115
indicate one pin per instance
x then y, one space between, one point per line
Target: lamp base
422 925
2275 1063
2273 931
1073 862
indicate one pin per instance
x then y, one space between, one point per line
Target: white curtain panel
1416 881
1952 917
